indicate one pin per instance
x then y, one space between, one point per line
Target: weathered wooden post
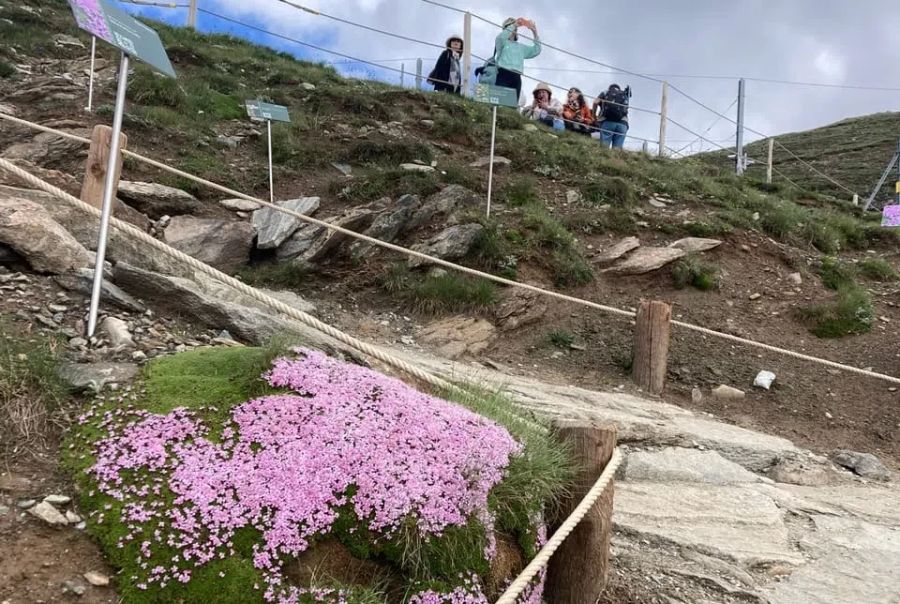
651 345
96 166
579 570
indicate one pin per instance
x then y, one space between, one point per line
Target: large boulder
82 282
618 250
312 244
276 227
157 200
47 148
223 244
85 228
94 376
459 336
388 225
647 260
450 244
447 205
28 228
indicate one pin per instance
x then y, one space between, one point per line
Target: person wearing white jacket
545 108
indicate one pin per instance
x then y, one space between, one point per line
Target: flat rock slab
676 464
695 245
732 522
157 200
622 247
647 260
223 244
452 244
240 205
30 230
82 282
484 162
276 227
94 376
458 336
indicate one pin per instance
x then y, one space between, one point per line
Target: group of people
606 119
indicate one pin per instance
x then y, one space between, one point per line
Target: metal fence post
771 154
663 118
739 142
418 74
467 55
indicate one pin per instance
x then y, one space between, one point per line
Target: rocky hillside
854 152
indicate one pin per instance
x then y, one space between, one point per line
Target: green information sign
101 19
496 95
259 110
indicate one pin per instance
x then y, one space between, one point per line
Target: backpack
487 73
615 109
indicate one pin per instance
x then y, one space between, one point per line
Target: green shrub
386 183
877 269
561 338
147 88
836 274
690 271
570 269
439 294
520 191
850 313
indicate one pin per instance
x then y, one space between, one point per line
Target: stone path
694 500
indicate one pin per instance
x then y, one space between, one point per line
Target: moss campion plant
282 471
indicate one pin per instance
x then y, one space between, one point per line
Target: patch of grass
147 88
462 176
712 228
614 191
561 338
690 271
387 153
439 294
850 313
275 274
567 264
387 183
31 392
877 269
520 192
836 274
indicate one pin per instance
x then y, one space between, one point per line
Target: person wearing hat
545 108
510 54
447 73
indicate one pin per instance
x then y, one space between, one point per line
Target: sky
822 41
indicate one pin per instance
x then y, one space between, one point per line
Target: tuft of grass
388 153
850 313
561 338
147 88
387 183
520 192
877 269
690 271
6 70
836 274
276 274
439 294
31 391
614 191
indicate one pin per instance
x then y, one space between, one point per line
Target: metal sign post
90 104
133 39
494 95
259 111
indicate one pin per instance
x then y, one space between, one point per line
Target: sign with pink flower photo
891 216
99 18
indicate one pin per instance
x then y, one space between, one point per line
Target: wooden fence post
651 345
95 169
579 570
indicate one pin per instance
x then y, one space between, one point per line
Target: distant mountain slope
854 152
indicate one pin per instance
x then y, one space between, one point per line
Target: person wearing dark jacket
447 73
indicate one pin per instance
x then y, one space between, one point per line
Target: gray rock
73 518
530 128
223 244
240 205
675 464
796 278
328 242
49 514
96 579
229 142
117 330
727 393
30 230
74 587
732 522
121 247
656 203
646 260
4 510
621 247
416 168
344 169
157 200
521 308
291 299
459 336
387 226
792 471
307 86
484 162
95 376
694 245
446 205
573 197
300 242
46 148
64 40
275 227
451 244
82 281
865 465
57 499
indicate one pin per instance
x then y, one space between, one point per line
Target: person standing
507 65
447 73
611 109
545 109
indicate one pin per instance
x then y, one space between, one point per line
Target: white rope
543 557
463 269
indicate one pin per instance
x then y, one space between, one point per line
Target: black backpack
615 109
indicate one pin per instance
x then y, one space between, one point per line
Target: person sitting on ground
507 65
545 108
578 116
447 73
611 122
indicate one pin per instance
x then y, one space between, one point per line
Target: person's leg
605 135
559 123
619 137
